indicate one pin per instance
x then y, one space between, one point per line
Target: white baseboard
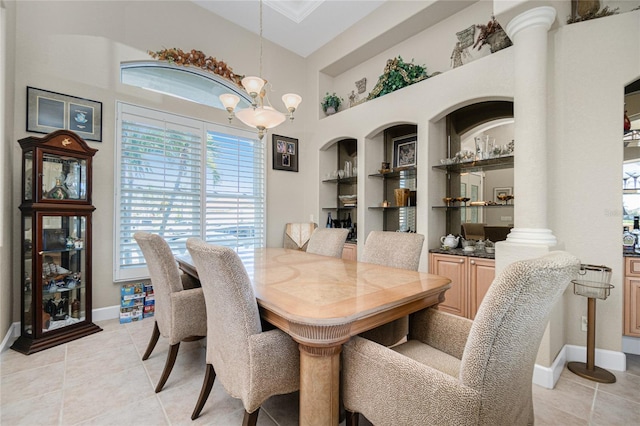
631 345
100 314
12 333
548 376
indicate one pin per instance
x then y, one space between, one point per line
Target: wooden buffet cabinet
470 278
632 297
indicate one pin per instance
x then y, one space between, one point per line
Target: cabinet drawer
632 266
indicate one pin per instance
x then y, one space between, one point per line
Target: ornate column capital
540 16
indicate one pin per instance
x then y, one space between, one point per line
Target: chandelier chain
260 69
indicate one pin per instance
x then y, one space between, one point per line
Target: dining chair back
398 250
296 235
456 371
180 313
328 241
252 364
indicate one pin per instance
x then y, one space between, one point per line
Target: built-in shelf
479 165
340 208
405 173
471 207
348 180
390 207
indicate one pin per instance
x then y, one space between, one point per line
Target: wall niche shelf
405 173
472 207
479 165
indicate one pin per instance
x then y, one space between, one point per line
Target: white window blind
180 178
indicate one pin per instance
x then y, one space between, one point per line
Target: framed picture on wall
405 151
285 153
49 111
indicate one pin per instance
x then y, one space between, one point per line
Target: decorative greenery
198 59
486 31
398 74
592 14
332 100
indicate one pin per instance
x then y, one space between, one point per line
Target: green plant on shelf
398 74
331 102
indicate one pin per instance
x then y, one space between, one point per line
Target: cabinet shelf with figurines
56 210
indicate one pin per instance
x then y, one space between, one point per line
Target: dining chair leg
352 418
250 419
209 378
168 366
152 342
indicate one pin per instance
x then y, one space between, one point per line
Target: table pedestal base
596 374
319 385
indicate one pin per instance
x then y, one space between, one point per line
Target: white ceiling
302 26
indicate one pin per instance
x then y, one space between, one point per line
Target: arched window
190 83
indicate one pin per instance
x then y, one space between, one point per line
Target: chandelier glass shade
261 115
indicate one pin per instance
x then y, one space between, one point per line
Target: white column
528 32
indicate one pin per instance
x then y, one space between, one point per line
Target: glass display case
56 241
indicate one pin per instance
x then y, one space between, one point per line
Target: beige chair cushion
398 250
179 312
493 386
328 241
251 365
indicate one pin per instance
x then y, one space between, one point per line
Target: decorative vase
498 40
330 110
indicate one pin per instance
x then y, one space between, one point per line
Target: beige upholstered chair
296 235
180 314
251 364
328 241
399 250
454 371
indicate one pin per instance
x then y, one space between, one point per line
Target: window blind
179 178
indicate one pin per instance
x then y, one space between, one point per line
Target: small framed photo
405 151
285 153
501 191
49 111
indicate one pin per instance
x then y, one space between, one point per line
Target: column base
532 236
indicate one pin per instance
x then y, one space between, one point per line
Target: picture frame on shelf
285 153
405 152
50 111
497 191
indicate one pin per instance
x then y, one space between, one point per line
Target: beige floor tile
568 375
546 415
31 383
283 409
190 363
179 403
569 397
109 325
105 393
14 361
41 410
626 386
139 412
90 345
106 362
610 410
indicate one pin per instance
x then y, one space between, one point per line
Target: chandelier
261 115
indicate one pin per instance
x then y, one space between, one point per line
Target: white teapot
449 241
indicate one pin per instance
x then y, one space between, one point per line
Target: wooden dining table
321 302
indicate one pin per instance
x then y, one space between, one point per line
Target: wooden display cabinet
632 297
55 280
470 278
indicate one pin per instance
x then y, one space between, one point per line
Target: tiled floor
101 380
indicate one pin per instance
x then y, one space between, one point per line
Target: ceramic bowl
490 249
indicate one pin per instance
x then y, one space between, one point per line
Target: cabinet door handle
473 262
461 261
